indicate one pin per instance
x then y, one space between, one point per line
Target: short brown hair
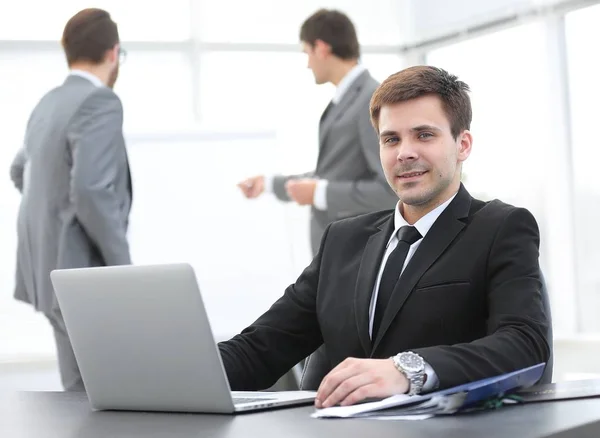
421 80
334 28
88 35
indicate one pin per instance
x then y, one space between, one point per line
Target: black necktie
407 235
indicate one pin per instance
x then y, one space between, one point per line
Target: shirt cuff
432 381
320 196
269 183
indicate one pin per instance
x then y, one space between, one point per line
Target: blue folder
495 387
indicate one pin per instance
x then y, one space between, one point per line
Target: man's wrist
412 366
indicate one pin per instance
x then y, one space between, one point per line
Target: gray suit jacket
74 177
349 160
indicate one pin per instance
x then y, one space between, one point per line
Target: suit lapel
338 110
442 233
130 181
367 273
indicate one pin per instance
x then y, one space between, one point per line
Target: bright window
138 20
156 90
274 21
583 65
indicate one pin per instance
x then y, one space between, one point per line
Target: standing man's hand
302 191
357 379
253 187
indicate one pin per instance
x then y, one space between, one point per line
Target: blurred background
216 91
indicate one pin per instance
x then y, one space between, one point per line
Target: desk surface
58 414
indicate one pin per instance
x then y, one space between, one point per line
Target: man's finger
254 191
244 190
293 193
348 386
369 390
343 371
247 185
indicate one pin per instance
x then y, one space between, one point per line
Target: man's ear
464 145
112 55
321 48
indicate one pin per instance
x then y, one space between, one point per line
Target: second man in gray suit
74 177
348 179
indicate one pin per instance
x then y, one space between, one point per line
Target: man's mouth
408 175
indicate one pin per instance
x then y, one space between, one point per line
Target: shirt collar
424 224
87 75
346 82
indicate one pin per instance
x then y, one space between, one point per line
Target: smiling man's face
420 157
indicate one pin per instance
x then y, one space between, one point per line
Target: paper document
363 408
399 417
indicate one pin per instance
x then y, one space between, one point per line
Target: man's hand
357 379
252 187
302 191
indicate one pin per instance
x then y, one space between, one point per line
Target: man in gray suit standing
348 179
74 177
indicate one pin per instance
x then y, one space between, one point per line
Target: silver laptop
143 341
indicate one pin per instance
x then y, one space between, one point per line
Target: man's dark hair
88 35
334 28
422 80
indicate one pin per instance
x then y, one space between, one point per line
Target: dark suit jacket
469 301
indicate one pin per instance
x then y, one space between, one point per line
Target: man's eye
425 135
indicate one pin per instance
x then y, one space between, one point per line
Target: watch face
411 362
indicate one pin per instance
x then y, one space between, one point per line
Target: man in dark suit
442 290
348 179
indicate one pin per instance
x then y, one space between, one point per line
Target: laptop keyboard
240 400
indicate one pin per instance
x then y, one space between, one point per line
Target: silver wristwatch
413 367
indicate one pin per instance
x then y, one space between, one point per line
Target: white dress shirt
87 75
422 225
320 196
346 82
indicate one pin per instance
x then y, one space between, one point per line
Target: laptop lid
143 341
